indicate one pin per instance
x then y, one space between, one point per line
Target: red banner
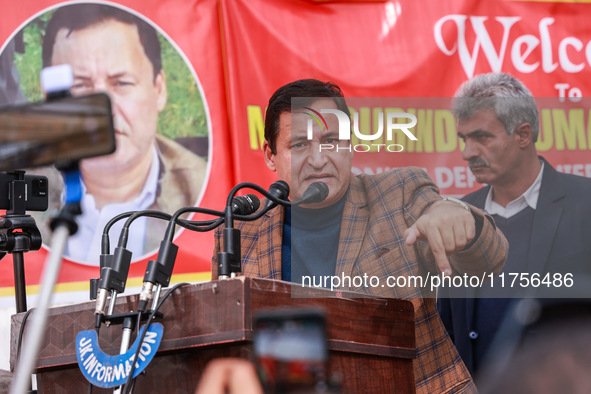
404 49
192 28
241 51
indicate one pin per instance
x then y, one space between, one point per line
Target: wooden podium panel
371 340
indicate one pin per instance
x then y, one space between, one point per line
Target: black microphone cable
115 268
201 226
159 271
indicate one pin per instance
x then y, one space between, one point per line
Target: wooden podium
371 340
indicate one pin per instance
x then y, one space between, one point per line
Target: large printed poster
165 81
222 59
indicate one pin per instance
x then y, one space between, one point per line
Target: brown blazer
378 209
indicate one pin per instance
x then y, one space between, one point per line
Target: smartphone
58 131
36 191
291 349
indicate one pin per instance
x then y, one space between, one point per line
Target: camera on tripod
59 131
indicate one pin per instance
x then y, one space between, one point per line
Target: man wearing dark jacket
545 215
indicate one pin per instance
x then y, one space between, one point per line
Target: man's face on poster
109 57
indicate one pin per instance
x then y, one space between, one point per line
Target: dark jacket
560 243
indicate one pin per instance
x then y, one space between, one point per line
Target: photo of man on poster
111 50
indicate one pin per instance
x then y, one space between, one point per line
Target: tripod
63 226
18 234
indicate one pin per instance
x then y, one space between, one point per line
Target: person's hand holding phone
229 375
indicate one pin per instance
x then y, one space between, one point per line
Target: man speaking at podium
391 224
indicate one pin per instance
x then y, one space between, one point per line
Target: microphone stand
229 261
115 269
159 271
63 226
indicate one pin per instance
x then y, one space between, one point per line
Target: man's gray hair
511 101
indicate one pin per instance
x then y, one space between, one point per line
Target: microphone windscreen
281 188
245 205
316 192
278 189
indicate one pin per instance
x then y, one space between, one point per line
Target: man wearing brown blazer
388 225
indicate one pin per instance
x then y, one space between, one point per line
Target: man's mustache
477 162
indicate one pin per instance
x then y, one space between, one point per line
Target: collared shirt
528 198
85 245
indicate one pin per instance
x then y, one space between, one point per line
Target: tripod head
18 234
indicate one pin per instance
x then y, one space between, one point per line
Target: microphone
159 271
113 279
278 189
316 192
245 205
229 259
